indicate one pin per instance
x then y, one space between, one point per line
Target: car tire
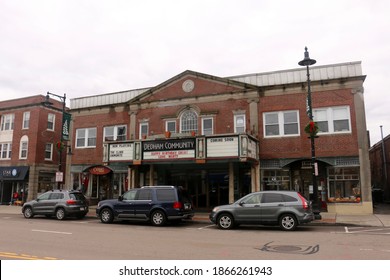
60 214
28 213
106 216
288 222
225 221
158 218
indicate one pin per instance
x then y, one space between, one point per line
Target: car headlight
215 209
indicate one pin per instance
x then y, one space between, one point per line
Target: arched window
189 122
23 147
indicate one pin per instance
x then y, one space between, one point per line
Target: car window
76 196
56 196
130 195
144 194
166 195
253 199
44 196
272 198
288 198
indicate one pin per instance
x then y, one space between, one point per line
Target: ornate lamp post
64 133
307 61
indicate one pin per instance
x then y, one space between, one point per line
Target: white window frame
189 122
328 115
238 127
143 129
49 151
5 151
115 134
281 124
51 121
169 123
7 122
209 131
26 120
89 137
23 150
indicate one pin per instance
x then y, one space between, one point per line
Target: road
89 239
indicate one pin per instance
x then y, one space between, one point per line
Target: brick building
221 138
380 169
29 132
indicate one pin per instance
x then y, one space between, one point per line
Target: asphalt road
89 239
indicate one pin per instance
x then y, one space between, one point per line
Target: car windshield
76 196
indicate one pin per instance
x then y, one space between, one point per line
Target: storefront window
344 184
275 180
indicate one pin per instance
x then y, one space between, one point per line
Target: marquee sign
123 151
169 149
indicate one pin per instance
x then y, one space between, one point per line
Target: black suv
157 204
58 203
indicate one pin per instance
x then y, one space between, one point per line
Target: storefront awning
13 173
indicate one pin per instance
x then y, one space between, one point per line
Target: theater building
221 138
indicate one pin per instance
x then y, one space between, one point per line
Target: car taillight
305 205
71 202
177 205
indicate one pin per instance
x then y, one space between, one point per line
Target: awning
13 173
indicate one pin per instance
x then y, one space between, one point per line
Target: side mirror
241 203
120 198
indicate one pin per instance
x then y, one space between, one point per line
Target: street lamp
307 61
64 133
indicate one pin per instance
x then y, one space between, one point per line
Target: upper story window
207 126
26 120
333 119
143 130
5 150
115 133
7 122
23 151
239 123
86 137
51 118
170 126
189 122
49 151
284 123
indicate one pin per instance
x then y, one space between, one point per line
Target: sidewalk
380 218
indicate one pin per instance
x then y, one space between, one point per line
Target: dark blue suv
156 204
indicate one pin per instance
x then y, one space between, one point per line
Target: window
49 151
86 138
115 133
130 195
283 123
5 150
189 122
333 120
344 184
50 121
272 198
143 130
23 147
26 120
166 195
253 199
207 126
275 179
144 194
7 122
239 123
170 126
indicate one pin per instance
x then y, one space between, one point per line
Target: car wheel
288 222
158 218
225 221
28 213
60 214
106 216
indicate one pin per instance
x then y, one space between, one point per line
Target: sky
91 47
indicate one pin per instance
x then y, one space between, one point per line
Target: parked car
156 204
288 209
58 203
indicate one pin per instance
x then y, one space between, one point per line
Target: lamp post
47 103
307 61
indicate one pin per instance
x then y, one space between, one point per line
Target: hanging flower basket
312 129
60 146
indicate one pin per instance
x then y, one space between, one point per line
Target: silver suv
58 203
287 209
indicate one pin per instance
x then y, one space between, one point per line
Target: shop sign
222 146
124 151
169 149
99 170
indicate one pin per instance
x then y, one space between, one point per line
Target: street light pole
307 61
48 103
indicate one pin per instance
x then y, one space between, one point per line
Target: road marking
49 231
23 256
206 227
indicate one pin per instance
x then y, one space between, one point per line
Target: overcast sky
93 47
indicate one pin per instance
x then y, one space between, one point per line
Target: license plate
82 208
186 206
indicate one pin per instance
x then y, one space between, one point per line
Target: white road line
49 231
346 229
206 226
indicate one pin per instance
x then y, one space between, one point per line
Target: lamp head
307 61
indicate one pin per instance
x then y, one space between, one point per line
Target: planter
167 134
